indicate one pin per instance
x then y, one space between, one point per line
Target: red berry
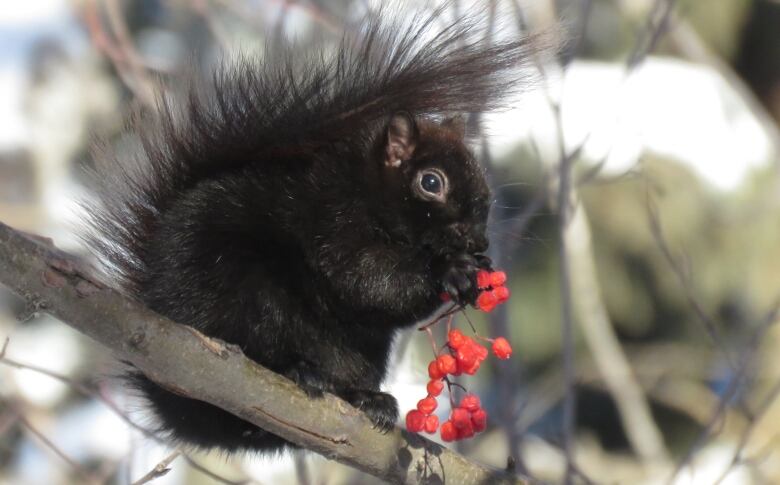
460 417
501 348
470 403
427 405
501 293
487 301
497 278
468 359
444 296
435 387
456 339
472 369
447 364
466 356
448 431
431 424
415 420
466 431
483 279
481 351
433 370
479 420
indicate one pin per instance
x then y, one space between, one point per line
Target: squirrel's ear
401 139
456 124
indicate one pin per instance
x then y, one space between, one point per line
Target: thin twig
128 64
567 319
683 278
145 86
111 405
743 440
159 470
657 24
214 476
218 32
8 419
735 382
81 471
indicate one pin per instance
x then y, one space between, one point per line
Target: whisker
514 207
513 184
513 219
522 237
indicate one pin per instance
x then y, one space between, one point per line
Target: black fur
281 210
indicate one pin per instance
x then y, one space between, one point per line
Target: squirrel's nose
473 236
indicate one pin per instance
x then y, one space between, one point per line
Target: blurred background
637 213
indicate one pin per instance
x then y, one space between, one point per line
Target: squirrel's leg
346 360
380 407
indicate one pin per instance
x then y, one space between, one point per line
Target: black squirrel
306 208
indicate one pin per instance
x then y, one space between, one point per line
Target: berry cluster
466 420
460 355
492 291
464 356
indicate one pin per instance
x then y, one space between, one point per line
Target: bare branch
567 319
642 432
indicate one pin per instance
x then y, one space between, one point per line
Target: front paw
380 407
458 277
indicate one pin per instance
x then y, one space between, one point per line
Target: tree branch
194 365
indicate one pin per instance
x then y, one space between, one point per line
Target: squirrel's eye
431 183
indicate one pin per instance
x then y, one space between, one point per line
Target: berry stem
449 391
484 339
432 340
473 328
454 308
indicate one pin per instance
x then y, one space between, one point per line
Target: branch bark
192 364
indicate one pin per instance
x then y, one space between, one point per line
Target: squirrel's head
434 190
